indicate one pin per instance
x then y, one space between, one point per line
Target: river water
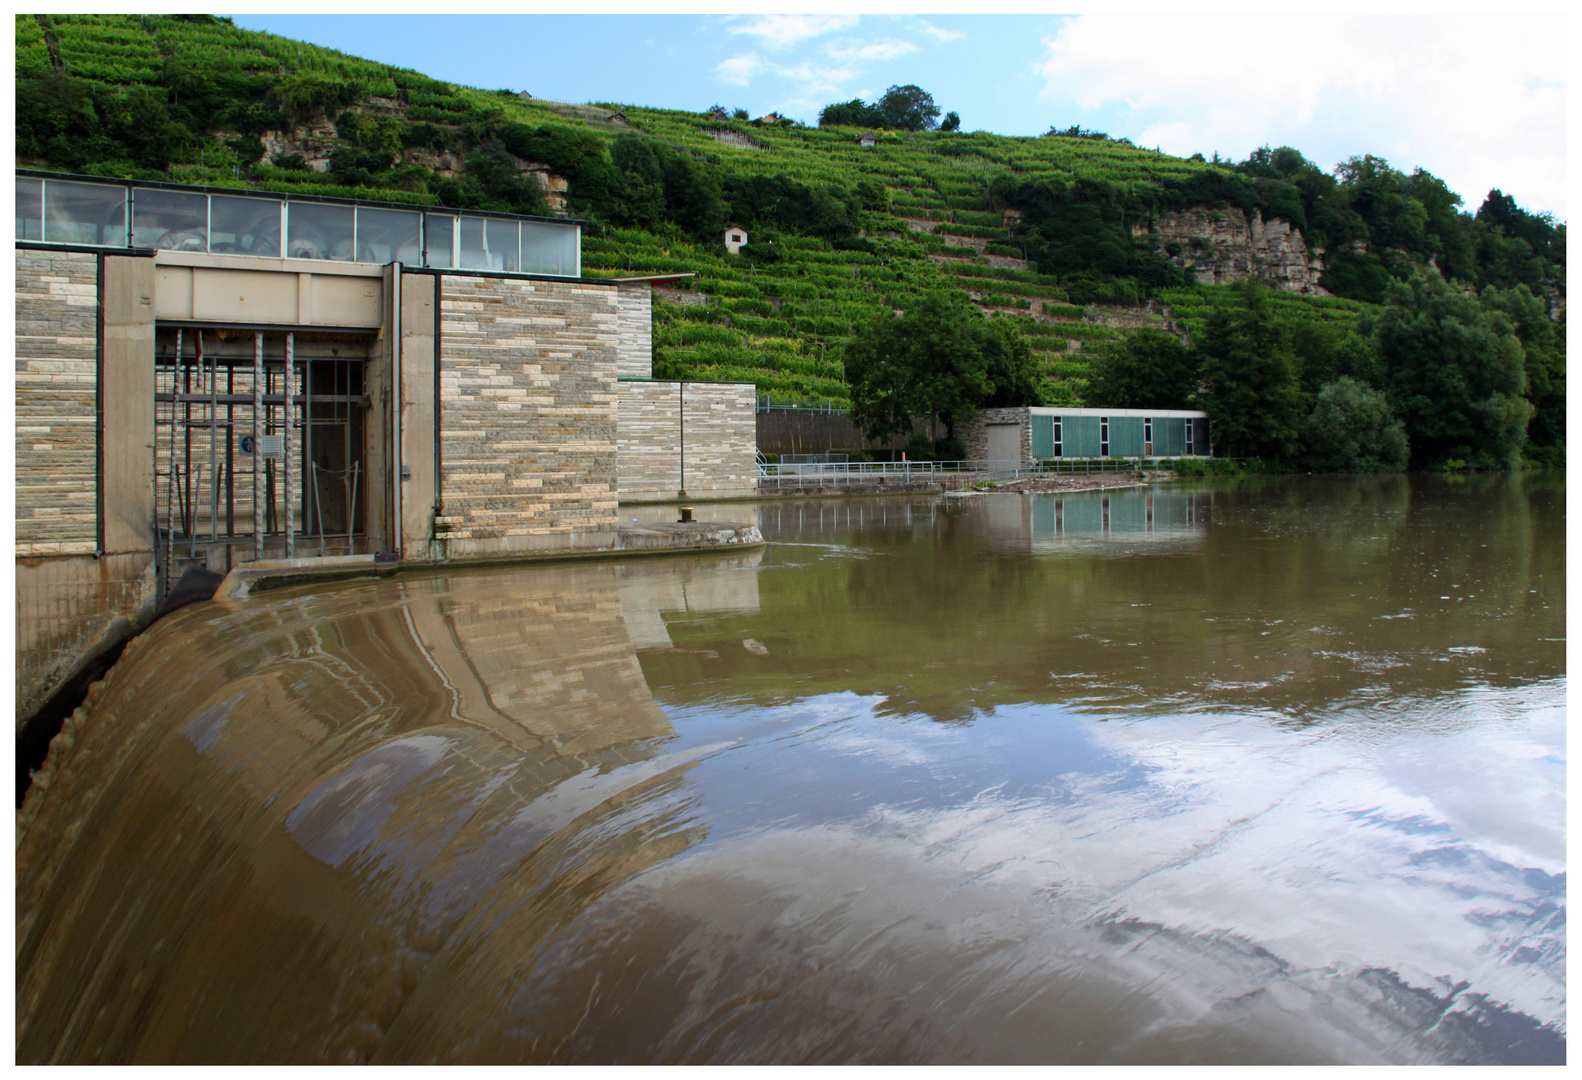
1262 772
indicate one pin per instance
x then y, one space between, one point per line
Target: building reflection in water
1051 522
653 589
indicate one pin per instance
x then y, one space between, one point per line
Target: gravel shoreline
1081 483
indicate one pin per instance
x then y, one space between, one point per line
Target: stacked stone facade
720 440
635 307
974 431
57 312
527 374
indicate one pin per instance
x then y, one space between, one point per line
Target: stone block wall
974 435
527 407
57 314
72 607
720 439
635 306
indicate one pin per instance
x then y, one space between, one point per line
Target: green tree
942 359
642 190
1252 393
1455 373
1351 429
908 108
952 122
504 187
693 198
1148 370
853 113
1008 361
1544 345
301 95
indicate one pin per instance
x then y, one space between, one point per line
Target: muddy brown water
1271 772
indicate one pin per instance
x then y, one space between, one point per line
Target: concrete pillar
419 414
127 404
377 451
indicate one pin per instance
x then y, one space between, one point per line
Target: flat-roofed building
216 376
1036 433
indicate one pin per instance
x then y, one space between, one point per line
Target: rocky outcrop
1222 246
444 163
314 141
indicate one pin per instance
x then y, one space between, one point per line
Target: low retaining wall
652 538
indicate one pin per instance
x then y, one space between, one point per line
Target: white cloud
739 69
876 50
1478 102
779 31
940 32
814 80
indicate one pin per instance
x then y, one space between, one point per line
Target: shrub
1351 429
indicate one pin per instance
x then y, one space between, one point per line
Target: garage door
1005 442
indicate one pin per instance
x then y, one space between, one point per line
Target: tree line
1439 377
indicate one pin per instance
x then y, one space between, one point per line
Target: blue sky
1478 102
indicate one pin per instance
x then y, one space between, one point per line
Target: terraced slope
198 100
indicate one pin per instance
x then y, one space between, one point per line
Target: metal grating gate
258 444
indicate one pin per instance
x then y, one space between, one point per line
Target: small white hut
735 236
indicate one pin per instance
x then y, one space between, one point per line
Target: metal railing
827 407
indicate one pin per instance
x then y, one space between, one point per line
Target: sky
1478 102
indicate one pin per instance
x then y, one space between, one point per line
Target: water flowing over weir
667 811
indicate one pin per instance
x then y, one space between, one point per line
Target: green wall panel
1043 436
1081 436
1126 436
1170 436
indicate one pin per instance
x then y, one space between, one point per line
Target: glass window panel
439 230
170 220
319 231
385 236
84 213
549 249
29 208
474 256
243 226
502 237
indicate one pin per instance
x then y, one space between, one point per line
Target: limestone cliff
1223 246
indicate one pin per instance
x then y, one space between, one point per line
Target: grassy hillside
839 233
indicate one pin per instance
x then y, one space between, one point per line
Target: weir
342 791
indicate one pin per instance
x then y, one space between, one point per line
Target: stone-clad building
214 377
